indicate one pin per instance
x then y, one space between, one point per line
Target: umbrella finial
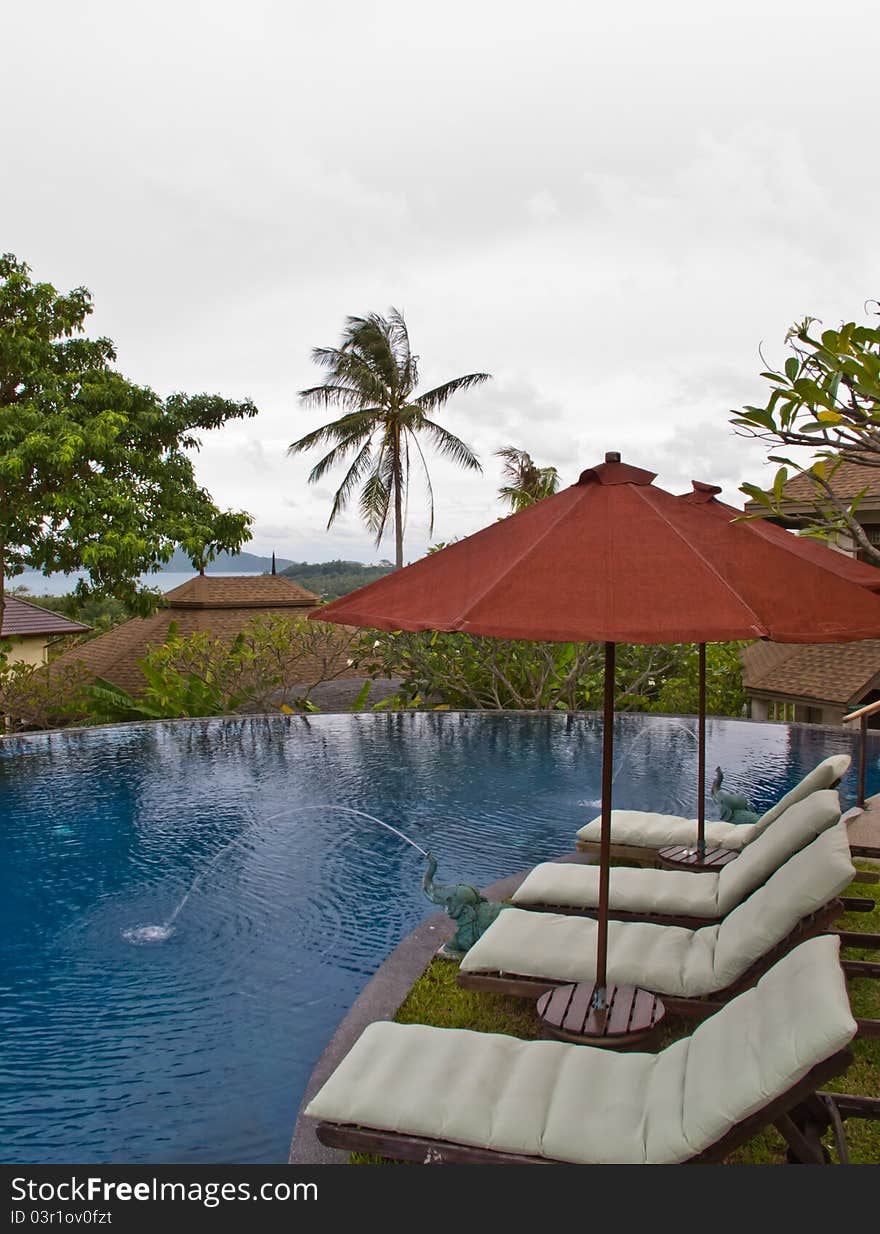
612 456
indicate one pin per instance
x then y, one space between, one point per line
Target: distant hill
331 579
227 563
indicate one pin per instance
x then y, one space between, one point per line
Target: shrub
202 675
33 696
465 670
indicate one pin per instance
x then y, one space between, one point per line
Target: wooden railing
861 714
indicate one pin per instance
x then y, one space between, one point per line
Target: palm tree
527 483
372 378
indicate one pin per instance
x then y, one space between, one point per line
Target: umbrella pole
605 841
701 759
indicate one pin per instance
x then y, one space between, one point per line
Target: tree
526 481
826 398
94 470
372 378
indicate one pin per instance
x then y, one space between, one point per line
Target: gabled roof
219 605
22 619
820 672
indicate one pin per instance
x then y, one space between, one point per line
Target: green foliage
372 379
678 694
201 675
35 697
825 397
467 671
526 482
95 472
331 579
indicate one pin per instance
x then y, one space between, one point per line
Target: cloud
609 210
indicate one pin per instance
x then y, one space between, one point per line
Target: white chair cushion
766 1040
583 1105
677 893
668 892
663 958
669 959
807 881
828 772
795 828
643 829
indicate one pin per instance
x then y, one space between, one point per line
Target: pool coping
380 1000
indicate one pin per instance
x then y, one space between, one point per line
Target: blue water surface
197 1048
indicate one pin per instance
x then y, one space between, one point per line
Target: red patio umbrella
615 559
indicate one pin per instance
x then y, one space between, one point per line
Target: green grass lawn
436 999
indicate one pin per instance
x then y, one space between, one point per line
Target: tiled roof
21 618
822 672
221 606
847 481
241 591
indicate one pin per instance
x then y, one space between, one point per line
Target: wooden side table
679 857
630 1014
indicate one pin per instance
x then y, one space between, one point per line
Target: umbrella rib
762 631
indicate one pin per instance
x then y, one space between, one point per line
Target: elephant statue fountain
468 908
733 807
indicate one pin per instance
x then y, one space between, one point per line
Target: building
222 605
818 683
848 481
32 630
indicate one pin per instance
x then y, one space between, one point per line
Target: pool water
196 1047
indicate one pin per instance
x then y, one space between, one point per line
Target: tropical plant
825 397
526 482
201 675
34 696
465 670
373 376
95 471
678 692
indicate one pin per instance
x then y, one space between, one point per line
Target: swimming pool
197 1048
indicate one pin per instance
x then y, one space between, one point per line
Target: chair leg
802 1128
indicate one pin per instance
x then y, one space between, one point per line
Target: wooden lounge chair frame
802 1114
819 922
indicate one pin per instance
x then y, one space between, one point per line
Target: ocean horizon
60 584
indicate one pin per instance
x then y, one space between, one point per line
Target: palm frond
451 447
338 455
335 394
371 343
375 502
428 485
432 399
352 477
346 428
407 363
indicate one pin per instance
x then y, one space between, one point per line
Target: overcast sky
609 208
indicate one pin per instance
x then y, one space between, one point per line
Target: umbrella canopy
803 546
614 559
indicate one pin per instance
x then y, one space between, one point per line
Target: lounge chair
638 834
526 953
442 1095
674 897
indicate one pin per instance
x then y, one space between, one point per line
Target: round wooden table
679 857
630 1014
